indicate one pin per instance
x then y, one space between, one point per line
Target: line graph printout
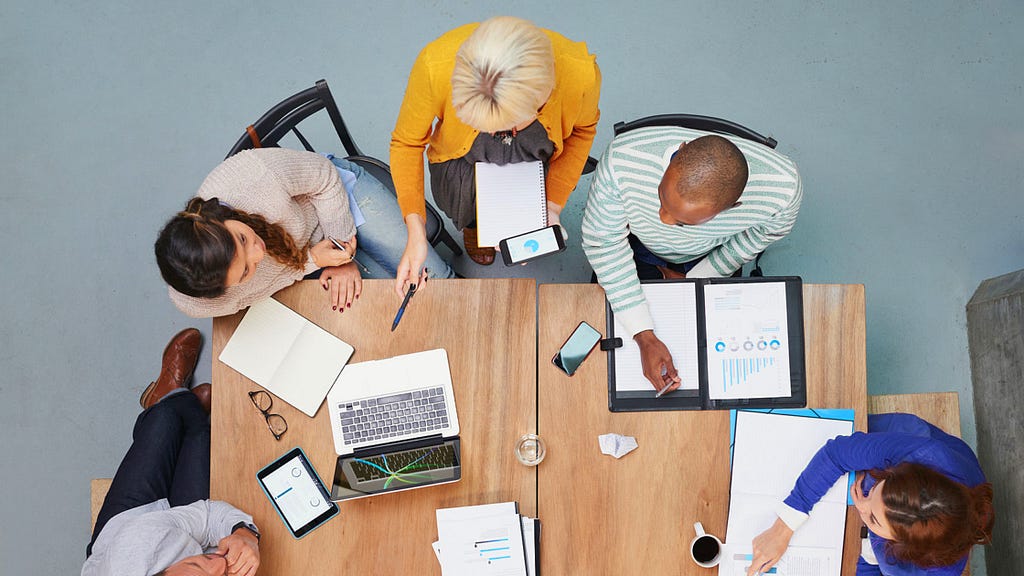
748 340
673 307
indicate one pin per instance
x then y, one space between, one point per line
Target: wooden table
488 328
635 515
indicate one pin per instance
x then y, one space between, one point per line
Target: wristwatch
248 527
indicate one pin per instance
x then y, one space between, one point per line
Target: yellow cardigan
569 116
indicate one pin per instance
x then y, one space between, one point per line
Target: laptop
394 425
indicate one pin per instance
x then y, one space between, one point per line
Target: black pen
401 309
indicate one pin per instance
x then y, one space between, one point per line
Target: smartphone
576 348
297 493
532 245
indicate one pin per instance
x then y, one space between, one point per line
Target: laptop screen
371 472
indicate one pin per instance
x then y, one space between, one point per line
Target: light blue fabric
381 237
348 179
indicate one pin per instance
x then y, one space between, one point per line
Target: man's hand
410 267
657 362
242 551
769 546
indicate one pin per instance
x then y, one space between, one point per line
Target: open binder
736 343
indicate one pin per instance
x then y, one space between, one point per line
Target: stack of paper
487 540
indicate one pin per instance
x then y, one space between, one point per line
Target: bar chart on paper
748 352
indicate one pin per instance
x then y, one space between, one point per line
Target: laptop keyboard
407 462
375 419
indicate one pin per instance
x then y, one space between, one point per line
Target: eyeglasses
275 422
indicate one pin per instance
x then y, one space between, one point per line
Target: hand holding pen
401 309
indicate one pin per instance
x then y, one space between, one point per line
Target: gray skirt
453 183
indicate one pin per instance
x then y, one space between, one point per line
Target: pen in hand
352 258
401 309
664 389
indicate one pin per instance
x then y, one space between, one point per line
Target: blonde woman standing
501 91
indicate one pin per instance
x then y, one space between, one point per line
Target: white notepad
673 308
510 200
291 357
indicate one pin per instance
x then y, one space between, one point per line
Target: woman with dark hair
287 205
920 491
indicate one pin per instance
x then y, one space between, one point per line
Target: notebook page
674 309
748 340
510 200
262 340
310 368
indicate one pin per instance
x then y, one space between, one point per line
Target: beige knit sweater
300 191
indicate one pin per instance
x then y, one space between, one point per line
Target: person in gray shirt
157 518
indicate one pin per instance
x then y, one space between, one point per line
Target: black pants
169 458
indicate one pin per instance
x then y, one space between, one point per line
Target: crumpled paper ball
616 445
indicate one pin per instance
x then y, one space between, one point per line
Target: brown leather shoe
204 392
482 256
180 358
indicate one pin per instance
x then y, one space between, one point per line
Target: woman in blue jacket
920 491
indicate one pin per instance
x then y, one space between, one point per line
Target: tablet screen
297 493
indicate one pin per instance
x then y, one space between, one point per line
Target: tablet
298 495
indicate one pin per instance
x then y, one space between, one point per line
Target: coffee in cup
705 549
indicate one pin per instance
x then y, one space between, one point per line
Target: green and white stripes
624 199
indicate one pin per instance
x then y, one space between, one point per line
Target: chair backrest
705 123
285 117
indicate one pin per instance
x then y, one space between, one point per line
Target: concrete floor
905 121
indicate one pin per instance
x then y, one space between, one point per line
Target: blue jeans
381 239
169 458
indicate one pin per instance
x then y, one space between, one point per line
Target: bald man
672 202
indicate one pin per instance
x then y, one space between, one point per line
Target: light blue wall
905 120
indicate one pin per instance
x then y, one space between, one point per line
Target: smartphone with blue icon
532 245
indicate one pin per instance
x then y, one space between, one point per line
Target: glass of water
530 450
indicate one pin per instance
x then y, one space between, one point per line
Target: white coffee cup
705 549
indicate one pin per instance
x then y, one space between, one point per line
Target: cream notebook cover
510 200
291 357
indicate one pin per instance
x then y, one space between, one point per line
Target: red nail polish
334 308
349 305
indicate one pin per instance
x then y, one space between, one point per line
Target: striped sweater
624 199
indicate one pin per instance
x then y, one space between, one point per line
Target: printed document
748 340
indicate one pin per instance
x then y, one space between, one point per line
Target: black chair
285 117
706 124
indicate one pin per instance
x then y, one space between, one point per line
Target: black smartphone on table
532 245
576 348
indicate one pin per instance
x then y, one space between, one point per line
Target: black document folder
736 343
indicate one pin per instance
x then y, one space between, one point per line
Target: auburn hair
935 520
194 249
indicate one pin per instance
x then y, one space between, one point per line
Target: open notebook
510 200
735 342
291 357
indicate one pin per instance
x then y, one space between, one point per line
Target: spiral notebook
510 200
